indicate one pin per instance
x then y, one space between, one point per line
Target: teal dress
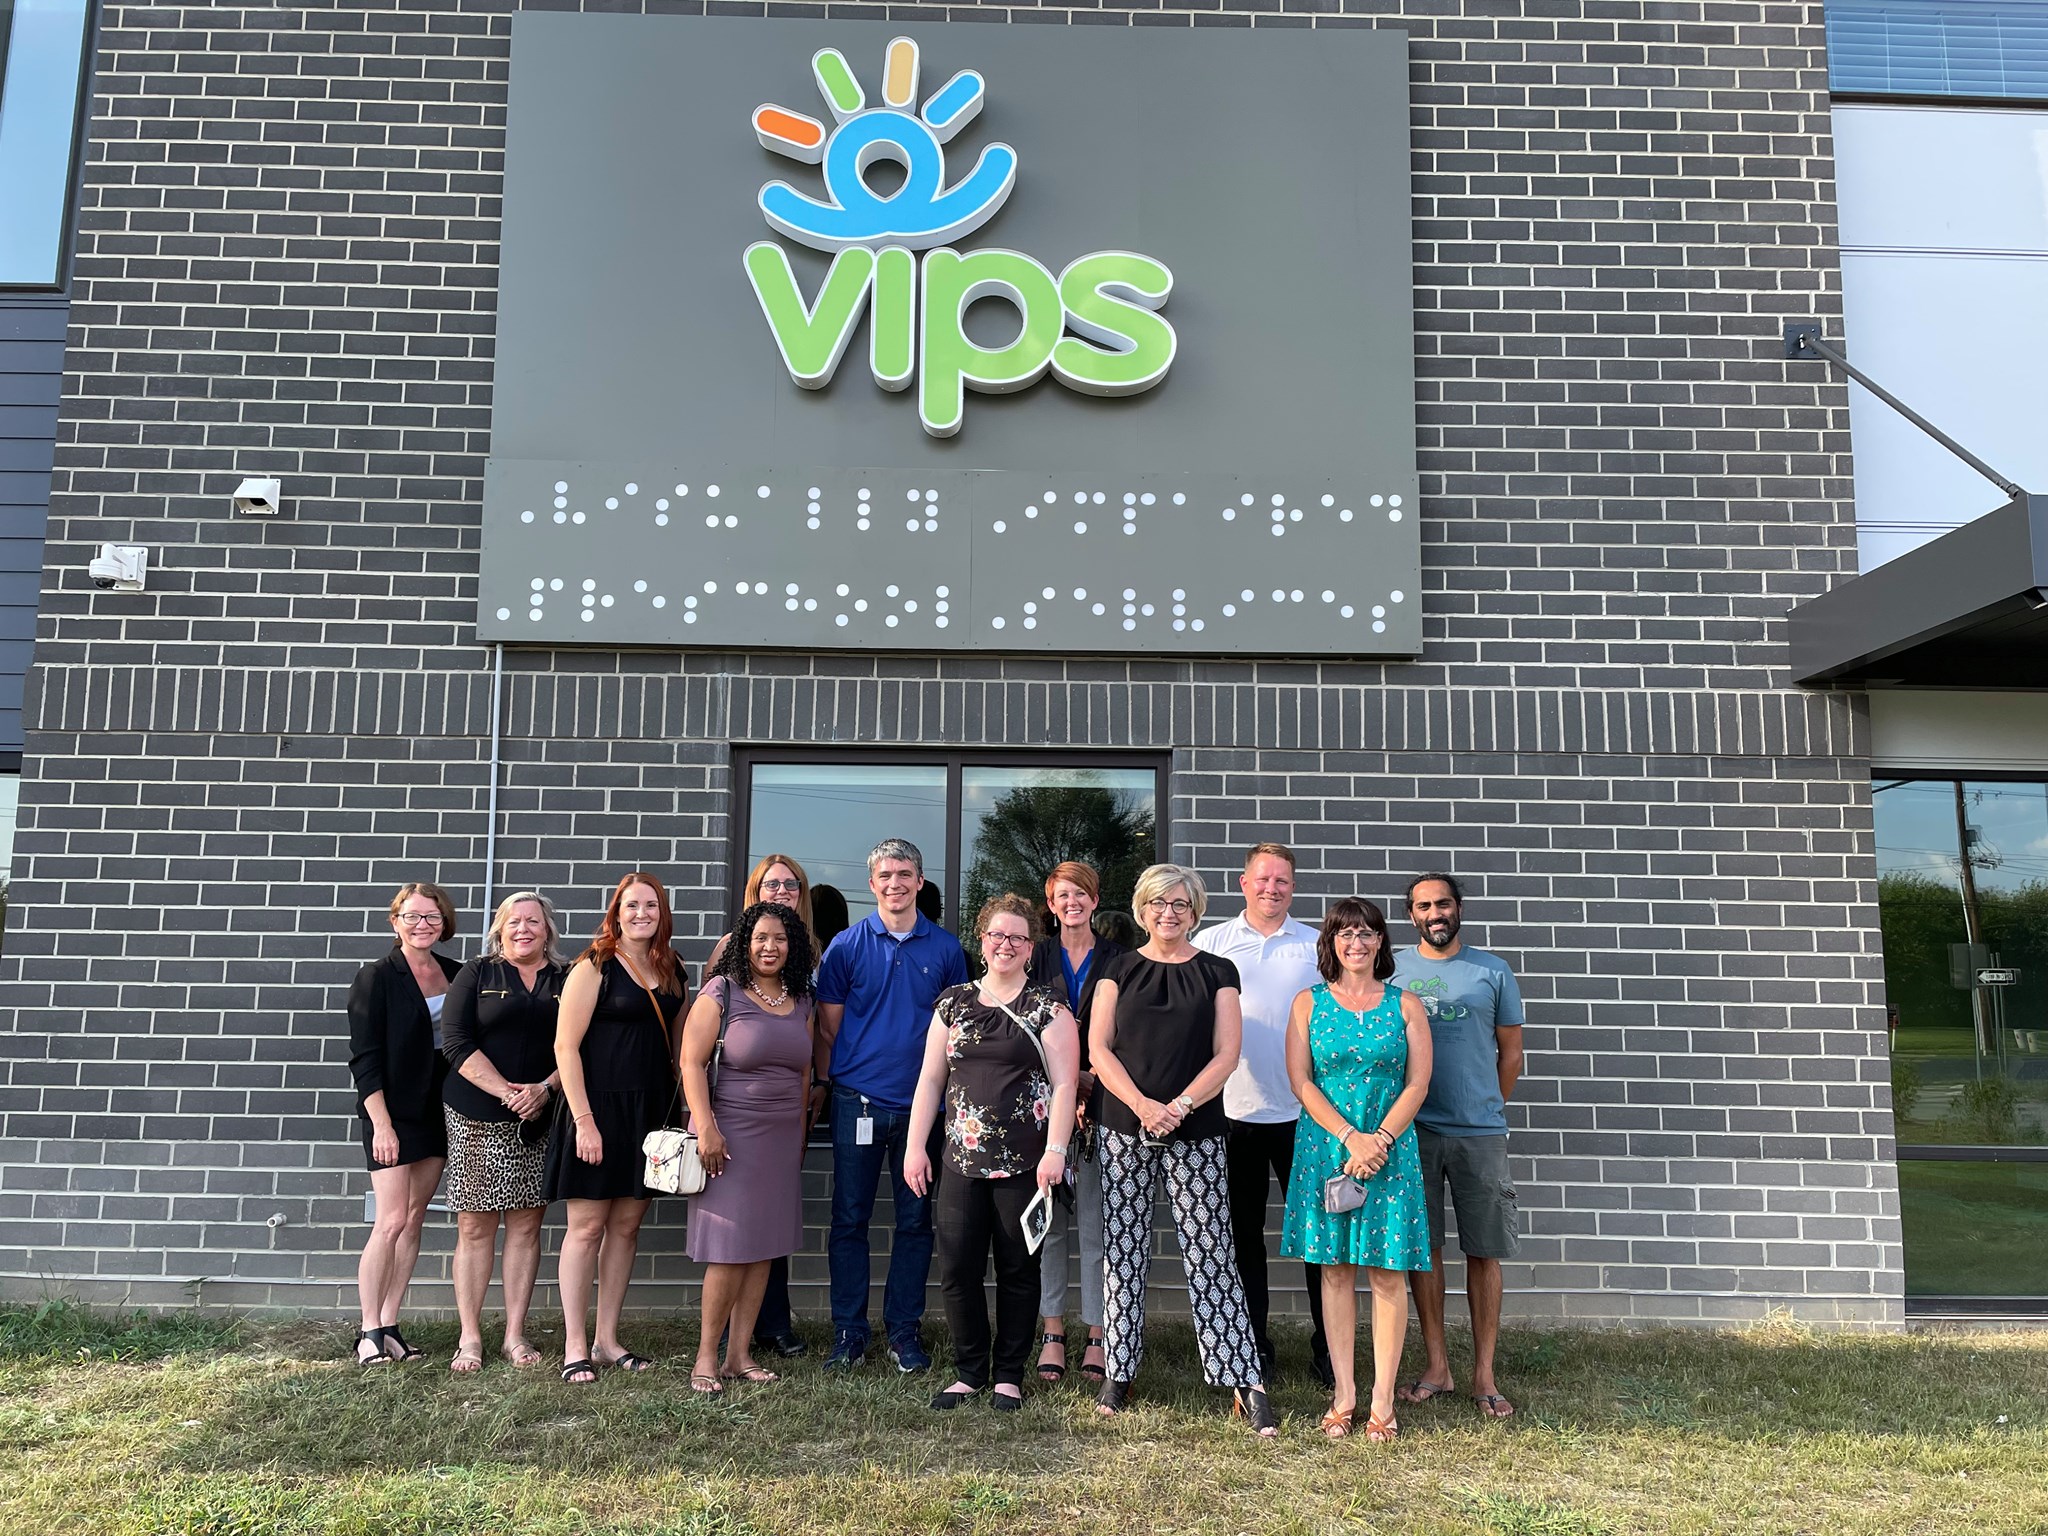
1360 1061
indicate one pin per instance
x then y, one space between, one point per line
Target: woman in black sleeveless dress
614 1048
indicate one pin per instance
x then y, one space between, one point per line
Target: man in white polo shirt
1275 958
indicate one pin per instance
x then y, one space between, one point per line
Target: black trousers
774 1320
969 1218
1256 1152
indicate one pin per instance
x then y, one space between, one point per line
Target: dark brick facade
286 265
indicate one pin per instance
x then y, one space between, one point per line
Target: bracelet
1385 1135
1349 1132
579 1119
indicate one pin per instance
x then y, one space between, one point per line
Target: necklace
767 1001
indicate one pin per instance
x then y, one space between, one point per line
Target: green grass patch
194 1426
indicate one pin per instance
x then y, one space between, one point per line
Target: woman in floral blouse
1004 1058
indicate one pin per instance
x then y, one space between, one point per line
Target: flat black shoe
1251 1403
787 1345
1114 1397
946 1402
1002 1402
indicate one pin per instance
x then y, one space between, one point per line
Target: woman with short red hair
615 1049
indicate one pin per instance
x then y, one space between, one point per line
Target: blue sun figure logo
924 212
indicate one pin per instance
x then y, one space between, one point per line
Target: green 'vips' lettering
1110 298
814 339
949 363
892 334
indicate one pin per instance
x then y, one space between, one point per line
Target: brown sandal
1337 1423
1379 1431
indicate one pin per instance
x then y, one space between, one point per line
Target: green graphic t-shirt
1467 998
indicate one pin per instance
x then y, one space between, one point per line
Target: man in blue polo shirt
876 988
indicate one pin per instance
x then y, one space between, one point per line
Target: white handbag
674 1166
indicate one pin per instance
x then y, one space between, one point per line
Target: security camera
258 498
120 567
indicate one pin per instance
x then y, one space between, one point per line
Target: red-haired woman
613 1046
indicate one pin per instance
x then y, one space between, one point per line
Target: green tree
1030 829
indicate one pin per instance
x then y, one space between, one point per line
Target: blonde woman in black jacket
394 1010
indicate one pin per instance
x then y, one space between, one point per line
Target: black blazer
391 1038
1045 970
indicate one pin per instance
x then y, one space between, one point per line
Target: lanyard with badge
864 1127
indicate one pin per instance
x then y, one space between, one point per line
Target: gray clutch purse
1342 1193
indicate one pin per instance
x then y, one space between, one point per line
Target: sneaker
907 1350
848 1351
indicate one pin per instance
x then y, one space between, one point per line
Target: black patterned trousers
1197 1188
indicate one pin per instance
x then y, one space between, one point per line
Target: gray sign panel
659 478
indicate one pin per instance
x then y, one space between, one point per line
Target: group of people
1062 1088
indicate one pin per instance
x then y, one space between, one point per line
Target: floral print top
998 1100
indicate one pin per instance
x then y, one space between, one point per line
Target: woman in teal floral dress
1358 1056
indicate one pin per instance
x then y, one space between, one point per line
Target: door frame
745 755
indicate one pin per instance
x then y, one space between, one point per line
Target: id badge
864 1131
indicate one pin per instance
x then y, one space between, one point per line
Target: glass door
1963 905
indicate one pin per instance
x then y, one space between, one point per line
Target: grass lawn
191 1425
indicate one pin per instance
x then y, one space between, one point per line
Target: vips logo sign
917 310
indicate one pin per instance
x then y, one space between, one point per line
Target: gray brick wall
287 265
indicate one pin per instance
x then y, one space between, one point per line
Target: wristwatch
1184 1104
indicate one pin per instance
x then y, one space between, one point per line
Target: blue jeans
856 1174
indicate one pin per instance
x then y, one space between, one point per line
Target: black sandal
1052 1373
1114 1397
1095 1373
946 1402
406 1353
371 1336
629 1362
1252 1403
571 1370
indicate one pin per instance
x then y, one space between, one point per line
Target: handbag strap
717 1050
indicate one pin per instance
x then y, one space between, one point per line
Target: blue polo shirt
887 986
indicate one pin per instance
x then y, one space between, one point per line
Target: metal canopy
1968 610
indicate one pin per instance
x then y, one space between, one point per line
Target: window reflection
42 57
1016 823
10 798
827 816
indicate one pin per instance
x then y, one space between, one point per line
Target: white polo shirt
1271 971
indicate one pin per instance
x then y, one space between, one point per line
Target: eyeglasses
1006 940
419 919
1177 907
792 886
1356 935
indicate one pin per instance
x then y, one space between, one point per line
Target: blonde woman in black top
498 1033
1164 1034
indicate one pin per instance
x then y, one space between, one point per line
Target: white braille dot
710 490
1130 498
1379 627
661 503
1080 594
611 503
862 525
1180 623
504 613
1197 624
732 522
689 618
910 495
661 519
910 605
606 600
790 603
1230 610
1047 593
662 602
710 586
587 616
1279 530
1344 516
1378 612
1098 498
1246 596
1180 498
1130 608
839 619
1379 500
1279 597
555 585
1130 623
1346 610
1180 594
711 521
534 614
942 621
892 591
1098 609
1246 499
589 585
1031 607
1147 499
761 587
1080 527
1146 610
843 589
862 493
931 495
526 517
682 490
911 525
639 586
1279 516
761 491
561 501
589 600
941 606
1130 514
1294 596
860 605
1130 528
561 486
994 623
561 517
942 591
1230 514
1329 500
1394 597
538 583
1001 526
1080 498
1180 608
688 602
1031 511
931 525
575 517
1394 515
1393 501
1279 501
814 508
1329 596
810 522
1130 593
1031 623
1294 514
791 589
810 605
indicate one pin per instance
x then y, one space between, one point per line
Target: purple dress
754 1210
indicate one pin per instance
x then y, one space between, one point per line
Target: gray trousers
1052 1253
